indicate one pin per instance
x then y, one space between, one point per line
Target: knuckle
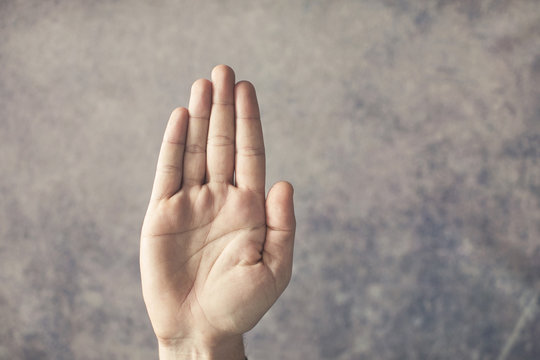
248 151
220 140
219 179
195 149
191 180
172 141
169 168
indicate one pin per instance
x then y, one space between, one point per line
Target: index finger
250 155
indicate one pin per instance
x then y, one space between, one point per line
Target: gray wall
410 129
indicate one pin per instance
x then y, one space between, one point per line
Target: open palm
215 253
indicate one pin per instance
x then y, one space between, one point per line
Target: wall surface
410 129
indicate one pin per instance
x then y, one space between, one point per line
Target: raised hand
215 254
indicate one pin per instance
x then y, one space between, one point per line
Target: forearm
231 349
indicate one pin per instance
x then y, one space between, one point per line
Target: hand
215 254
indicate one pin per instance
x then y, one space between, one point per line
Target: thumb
280 229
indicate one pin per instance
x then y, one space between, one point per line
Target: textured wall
410 129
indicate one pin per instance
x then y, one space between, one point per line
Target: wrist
231 348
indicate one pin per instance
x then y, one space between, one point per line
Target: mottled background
410 129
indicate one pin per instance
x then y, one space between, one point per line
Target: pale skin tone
215 252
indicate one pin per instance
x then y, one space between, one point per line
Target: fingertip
179 112
176 128
284 188
201 84
200 99
178 117
289 186
245 85
222 71
246 100
280 205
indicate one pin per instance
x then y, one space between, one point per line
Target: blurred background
410 130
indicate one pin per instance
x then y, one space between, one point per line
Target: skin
215 253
